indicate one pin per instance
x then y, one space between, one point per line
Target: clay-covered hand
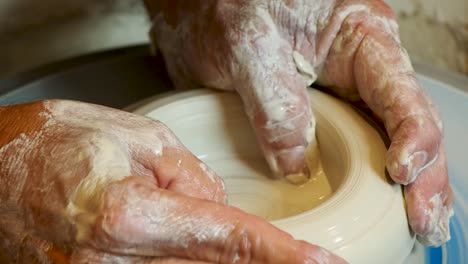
99 185
268 51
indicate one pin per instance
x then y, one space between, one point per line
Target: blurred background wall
36 32
435 31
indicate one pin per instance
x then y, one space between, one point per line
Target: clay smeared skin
91 184
353 45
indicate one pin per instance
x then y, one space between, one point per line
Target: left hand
83 183
353 45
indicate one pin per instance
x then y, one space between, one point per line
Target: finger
373 61
175 168
139 219
414 148
430 204
275 99
90 255
188 175
400 101
176 261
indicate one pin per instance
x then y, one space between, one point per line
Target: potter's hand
109 186
261 48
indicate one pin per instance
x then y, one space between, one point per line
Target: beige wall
435 31
36 32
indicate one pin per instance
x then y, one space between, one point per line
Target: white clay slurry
117 137
389 25
422 155
438 225
236 258
352 9
214 179
110 163
428 164
161 224
412 171
132 130
270 37
275 100
407 159
23 147
305 68
334 27
98 140
323 257
16 169
15 165
310 131
263 93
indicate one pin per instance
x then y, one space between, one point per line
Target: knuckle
287 133
242 246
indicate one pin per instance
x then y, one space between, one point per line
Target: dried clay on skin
438 225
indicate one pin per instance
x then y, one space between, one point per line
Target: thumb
276 100
142 220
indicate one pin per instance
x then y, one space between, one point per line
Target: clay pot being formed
349 206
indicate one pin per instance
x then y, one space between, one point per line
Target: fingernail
439 233
291 164
298 178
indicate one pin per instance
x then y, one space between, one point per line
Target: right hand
255 48
90 184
